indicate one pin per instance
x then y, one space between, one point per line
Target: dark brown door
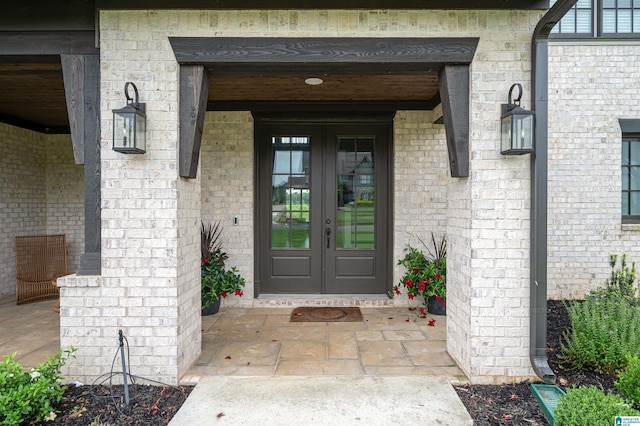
323 208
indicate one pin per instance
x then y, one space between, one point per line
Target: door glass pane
635 179
634 152
625 178
355 193
290 192
634 208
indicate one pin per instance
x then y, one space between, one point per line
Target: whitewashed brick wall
150 238
591 86
227 170
65 195
22 195
421 175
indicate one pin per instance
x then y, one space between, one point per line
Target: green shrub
620 283
603 332
26 395
629 382
590 406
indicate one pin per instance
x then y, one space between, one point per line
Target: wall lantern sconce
129 125
517 126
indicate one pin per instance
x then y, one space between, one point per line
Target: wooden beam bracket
194 89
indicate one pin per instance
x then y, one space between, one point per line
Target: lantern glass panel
522 135
140 132
123 130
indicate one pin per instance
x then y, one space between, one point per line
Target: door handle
328 233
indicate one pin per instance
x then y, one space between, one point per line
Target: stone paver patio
262 342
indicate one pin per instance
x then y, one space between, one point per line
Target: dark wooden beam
30 125
82 88
319 106
28 43
454 93
29 15
194 89
73 76
321 4
329 54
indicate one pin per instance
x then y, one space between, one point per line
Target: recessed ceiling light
314 81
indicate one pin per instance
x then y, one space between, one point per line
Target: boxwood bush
588 405
30 394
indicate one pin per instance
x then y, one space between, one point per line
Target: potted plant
217 281
426 274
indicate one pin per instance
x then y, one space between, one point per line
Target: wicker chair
40 261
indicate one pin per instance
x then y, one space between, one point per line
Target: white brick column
149 286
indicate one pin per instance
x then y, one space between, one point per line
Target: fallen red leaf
227 357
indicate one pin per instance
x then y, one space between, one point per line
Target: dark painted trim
451 56
290 54
47 43
194 89
320 4
28 15
629 125
318 105
539 177
73 77
354 116
87 108
454 93
30 125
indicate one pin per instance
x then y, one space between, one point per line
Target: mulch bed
105 406
487 404
514 404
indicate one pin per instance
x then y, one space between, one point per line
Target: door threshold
280 300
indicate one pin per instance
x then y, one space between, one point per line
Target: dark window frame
630 131
597 17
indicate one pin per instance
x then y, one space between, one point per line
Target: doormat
325 314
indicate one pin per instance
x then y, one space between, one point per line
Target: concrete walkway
322 400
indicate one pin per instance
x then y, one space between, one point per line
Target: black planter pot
436 307
212 308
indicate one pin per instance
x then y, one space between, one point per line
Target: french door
322 208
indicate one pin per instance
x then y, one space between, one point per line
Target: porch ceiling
32 92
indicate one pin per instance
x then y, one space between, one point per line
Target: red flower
432 323
408 282
238 292
416 270
224 294
428 281
437 276
421 286
206 260
411 296
422 311
438 297
396 289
